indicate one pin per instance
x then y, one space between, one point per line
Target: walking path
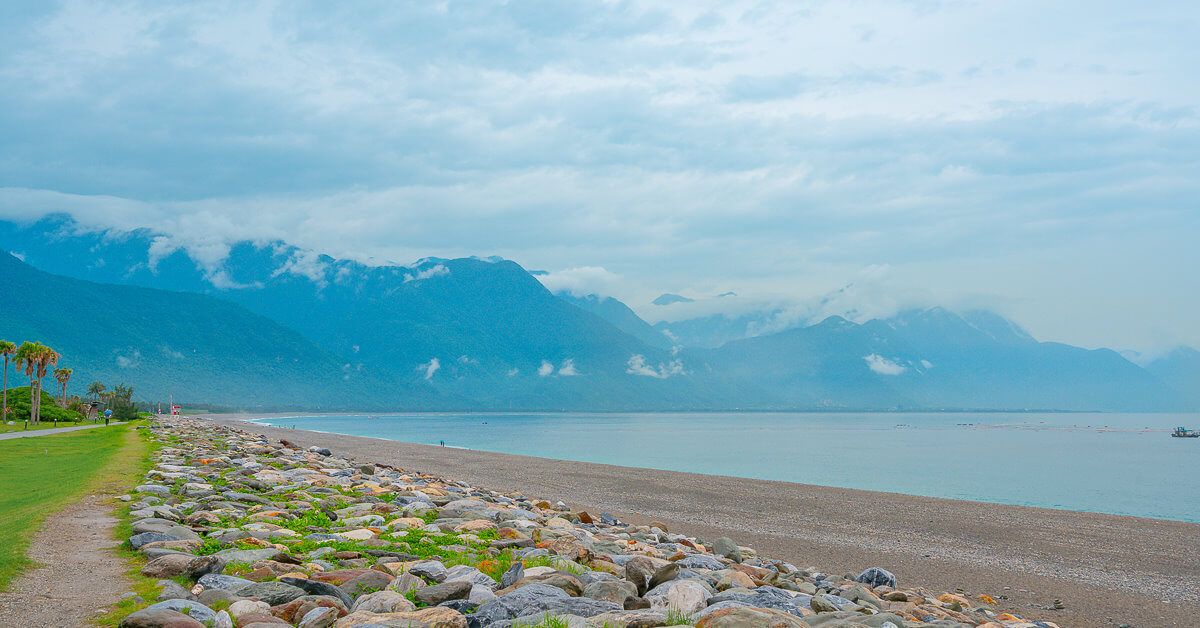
78 575
56 430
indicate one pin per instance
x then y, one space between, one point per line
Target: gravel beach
1106 570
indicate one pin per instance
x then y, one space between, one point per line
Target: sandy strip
1108 570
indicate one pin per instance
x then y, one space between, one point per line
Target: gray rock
173 591
700 561
223 620
438 593
204 565
272 593
524 601
320 617
725 546
159 618
191 608
467 573
219 581
663 574
247 556
821 605
430 570
639 570
514 574
610 590
138 540
319 588
877 576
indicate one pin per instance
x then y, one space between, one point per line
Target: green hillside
191 346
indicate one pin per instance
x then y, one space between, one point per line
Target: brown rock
167 566
744 616
159 618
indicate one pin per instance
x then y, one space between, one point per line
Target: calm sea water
1115 463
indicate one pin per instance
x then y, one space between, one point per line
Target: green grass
40 475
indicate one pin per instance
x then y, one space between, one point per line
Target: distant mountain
472 328
712 331
937 359
1179 369
620 316
191 346
265 323
670 299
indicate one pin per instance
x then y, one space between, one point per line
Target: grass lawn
40 475
44 425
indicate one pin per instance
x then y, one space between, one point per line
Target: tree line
35 360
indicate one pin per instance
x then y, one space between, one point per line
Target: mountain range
265 324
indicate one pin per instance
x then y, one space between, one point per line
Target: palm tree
63 376
95 390
7 349
36 358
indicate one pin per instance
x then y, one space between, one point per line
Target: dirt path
79 574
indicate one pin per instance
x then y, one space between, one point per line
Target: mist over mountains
260 324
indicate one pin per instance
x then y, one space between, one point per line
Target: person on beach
443 443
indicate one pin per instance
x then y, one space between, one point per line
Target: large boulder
877 577
689 596
272 593
159 618
610 590
383 602
444 592
725 546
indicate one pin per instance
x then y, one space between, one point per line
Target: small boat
1185 433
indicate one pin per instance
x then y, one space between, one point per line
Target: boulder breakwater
241 530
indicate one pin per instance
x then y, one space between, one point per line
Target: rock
631 619
896 596
876 577
699 561
320 617
222 620
138 540
245 607
159 618
479 595
689 596
430 570
740 617
513 575
195 610
369 581
663 574
406 582
173 591
610 590
639 570
438 593
821 605
272 593
436 616
636 603
725 546
203 565
315 587
220 581
167 566
383 602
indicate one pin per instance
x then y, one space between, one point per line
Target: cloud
171 353
20 256
568 368
433 271
307 264
131 361
545 369
580 281
430 368
637 366
681 148
884 366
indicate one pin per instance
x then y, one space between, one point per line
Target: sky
1041 159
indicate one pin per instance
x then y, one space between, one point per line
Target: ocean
1123 464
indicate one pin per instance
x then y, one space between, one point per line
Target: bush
18 407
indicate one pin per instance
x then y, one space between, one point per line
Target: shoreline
253 419
1101 566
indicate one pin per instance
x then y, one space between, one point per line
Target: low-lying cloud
637 366
884 366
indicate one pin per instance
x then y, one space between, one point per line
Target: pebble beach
248 528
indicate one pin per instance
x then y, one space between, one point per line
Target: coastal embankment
1104 570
